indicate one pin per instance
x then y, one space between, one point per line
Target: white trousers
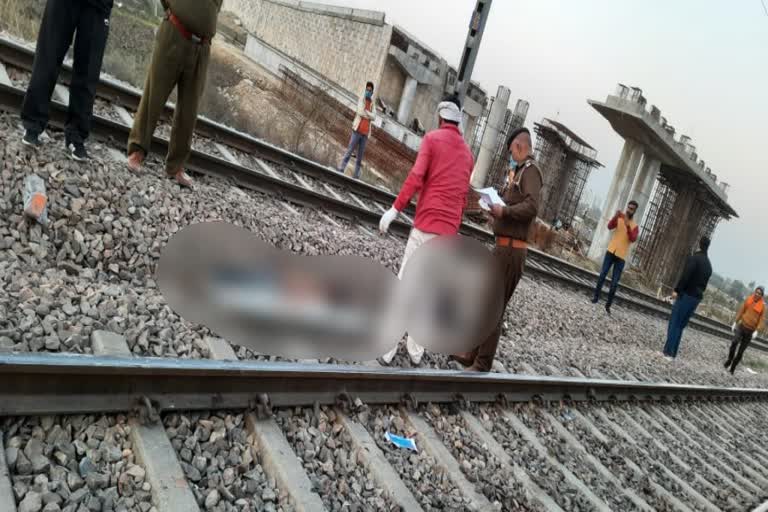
415 240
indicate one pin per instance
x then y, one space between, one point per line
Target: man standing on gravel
688 294
61 20
180 59
748 323
441 177
511 225
626 232
361 130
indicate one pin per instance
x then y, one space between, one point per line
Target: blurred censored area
346 307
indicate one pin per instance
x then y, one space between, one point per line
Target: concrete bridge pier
643 185
618 196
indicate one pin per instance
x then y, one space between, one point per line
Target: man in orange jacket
748 322
625 234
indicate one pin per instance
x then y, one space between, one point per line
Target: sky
704 63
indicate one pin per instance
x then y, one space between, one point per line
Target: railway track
117 433
485 442
258 165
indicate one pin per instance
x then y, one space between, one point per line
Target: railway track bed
183 421
238 436
257 164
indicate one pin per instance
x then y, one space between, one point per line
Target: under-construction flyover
566 161
680 199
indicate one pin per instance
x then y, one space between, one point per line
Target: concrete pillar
568 170
490 142
617 198
406 100
643 185
664 261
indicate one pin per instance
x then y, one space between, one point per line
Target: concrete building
680 198
340 49
566 161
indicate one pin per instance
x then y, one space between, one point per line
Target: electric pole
472 46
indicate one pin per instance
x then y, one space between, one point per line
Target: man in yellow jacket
625 234
749 321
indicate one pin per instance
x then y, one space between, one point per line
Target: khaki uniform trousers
510 264
176 62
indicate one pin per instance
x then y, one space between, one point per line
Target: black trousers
741 341
64 20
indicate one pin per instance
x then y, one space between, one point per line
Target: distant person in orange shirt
749 321
361 129
626 231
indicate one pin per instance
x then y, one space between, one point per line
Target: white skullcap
449 111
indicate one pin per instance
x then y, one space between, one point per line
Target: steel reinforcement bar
42 384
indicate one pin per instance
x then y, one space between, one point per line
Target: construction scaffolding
479 131
566 161
576 184
709 224
648 254
512 121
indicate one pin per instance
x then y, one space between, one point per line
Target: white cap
449 111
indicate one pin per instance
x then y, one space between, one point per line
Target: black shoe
77 151
595 300
727 364
608 308
31 139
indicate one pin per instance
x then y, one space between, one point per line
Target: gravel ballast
93 268
74 464
222 463
325 449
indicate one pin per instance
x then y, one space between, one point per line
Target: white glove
733 328
387 219
754 335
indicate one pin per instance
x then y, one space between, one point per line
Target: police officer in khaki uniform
511 225
180 59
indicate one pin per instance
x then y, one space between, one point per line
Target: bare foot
183 179
135 160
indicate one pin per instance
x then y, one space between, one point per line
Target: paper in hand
489 196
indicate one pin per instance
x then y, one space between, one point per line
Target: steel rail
204 163
77 384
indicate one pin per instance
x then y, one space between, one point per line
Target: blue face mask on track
368 95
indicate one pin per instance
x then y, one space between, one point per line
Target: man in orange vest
748 322
365 115
626 232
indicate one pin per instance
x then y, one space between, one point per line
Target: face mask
512 163
368 94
